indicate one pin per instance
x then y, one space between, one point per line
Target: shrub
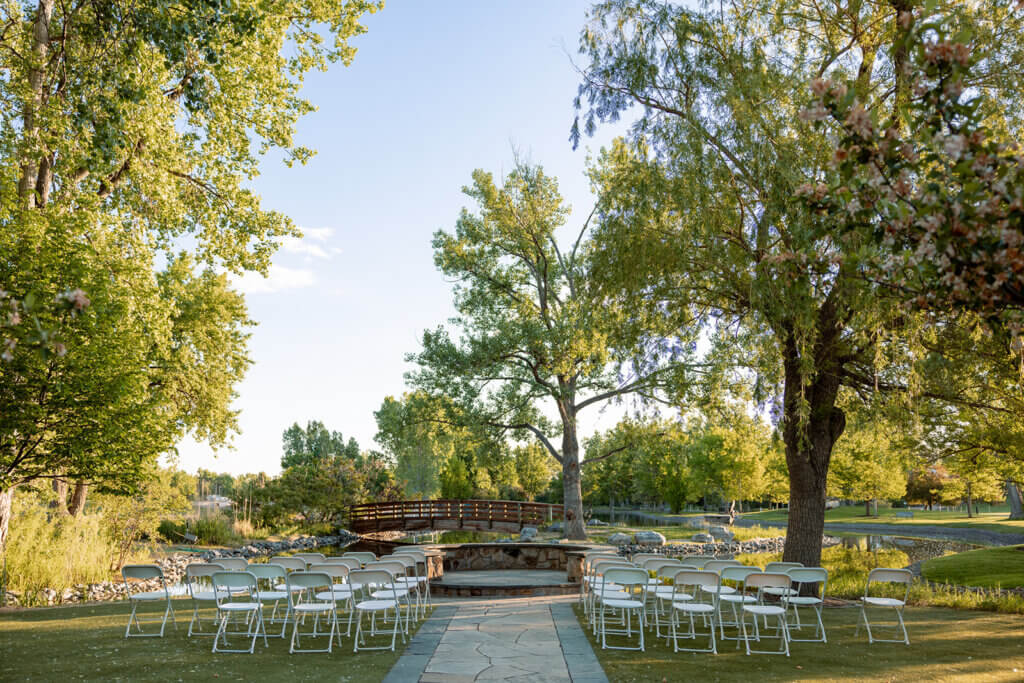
170 530
216 530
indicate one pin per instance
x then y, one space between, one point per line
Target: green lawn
854 514
945 645
988 567
87 643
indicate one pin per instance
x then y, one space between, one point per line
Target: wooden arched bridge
479 515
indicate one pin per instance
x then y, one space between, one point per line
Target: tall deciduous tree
534 329
700 208
315 443
127 128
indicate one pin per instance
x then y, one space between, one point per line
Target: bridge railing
475 514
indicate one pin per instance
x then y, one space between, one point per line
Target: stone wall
477 556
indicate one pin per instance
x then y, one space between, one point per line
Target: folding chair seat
268 577
689 582
199 580
632 599
320 602
145 572
808 576
238 596
761 609
884 576
370 581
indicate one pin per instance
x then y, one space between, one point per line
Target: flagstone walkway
536 640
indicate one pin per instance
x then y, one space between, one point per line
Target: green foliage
215 530
455 481
313 444
866 465
55 551
534 468
532 324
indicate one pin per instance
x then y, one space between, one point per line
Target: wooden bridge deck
479 515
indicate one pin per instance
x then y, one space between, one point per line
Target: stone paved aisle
532 640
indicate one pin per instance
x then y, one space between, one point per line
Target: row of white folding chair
421 576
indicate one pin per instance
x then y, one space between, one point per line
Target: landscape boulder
648 538
619 538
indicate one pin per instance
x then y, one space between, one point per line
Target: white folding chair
760 609
410 580
146 572
804 577
781 568
632 582
422 573
312 584
238 595
399 588
232 564
268 577
599 585
727 595
886 576
341 590
639 558
350 562
717 566
370 580
589 559
199 579
690 582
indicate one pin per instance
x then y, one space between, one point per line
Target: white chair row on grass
387 592
672 596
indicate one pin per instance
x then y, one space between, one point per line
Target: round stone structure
509 569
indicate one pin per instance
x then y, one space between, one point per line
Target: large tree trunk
60 490
6 499
575 528
1013 499
77 503
809 438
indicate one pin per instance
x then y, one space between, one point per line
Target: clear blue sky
436 90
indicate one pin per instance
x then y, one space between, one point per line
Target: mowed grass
88 643
854 514
945 645
987 568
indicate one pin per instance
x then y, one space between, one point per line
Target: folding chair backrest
767 580
807 575
229 585
233 564
654 564
782 566
291 564
369 578
394 567
601 567
142 572
332 569
738 573
311 558
408 560
590 560
886 575
199 570
362 557
639 558
698 560
269 572
696 578
350 562
719 565
628 578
